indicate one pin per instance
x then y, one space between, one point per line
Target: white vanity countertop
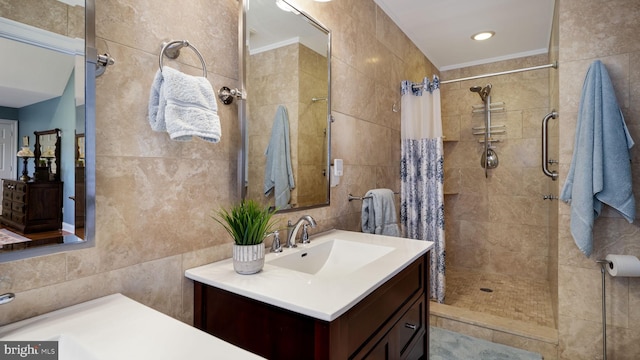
321 298
116 327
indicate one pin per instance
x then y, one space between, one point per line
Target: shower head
483 92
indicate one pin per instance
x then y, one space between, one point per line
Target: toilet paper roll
623 265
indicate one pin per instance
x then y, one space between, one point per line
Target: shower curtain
422 173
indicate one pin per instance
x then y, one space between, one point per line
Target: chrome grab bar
545 148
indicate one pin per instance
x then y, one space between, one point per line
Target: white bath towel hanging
184 106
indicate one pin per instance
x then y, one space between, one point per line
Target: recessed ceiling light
483 35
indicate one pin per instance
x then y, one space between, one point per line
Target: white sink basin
116 327
332 258
323 279
70 349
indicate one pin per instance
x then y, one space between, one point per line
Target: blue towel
278 173
184 106
600 171
379 213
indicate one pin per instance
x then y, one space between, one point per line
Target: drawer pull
410 326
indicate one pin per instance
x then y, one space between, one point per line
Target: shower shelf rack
499 129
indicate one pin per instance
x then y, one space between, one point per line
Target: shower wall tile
615 32
591 30
514 263
470 207
584 288
585 340
469 183
451 127
518 210
508 201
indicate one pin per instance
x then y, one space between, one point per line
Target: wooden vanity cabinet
32 206
390 323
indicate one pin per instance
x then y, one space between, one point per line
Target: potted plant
248 224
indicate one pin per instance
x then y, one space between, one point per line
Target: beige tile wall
154 196
499 223
590 30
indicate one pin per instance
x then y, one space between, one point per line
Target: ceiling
270 27
36 63
442 29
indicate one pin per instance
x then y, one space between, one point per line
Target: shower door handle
545 146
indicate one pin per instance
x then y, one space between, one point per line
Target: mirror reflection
287 72
42 108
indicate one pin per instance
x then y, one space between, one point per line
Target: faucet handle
304 239
275 245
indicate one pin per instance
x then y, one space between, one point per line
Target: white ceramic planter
248 259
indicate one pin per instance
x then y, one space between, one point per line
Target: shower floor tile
500 295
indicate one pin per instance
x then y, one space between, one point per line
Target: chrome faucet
292 230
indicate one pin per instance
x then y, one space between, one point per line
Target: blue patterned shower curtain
422 173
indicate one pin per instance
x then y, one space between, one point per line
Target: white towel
379 213
184 106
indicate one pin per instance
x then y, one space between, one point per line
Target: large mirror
286 114
47 99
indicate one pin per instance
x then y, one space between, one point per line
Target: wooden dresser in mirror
36 205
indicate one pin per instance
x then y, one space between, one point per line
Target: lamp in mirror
25 153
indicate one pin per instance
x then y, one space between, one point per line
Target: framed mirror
286 72
47 96
46 155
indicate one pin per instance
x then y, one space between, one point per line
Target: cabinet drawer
409 326
7 194
19 196
9 184
18 208
6 204
6 212
20 187
17 217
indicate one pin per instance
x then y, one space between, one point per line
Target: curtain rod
553 65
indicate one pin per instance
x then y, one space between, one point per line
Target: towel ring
171 50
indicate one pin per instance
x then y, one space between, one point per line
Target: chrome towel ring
171 50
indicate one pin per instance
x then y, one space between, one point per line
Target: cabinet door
380 352
410 327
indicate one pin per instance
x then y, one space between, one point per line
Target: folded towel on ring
184 106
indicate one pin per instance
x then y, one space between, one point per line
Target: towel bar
171 50
351 197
